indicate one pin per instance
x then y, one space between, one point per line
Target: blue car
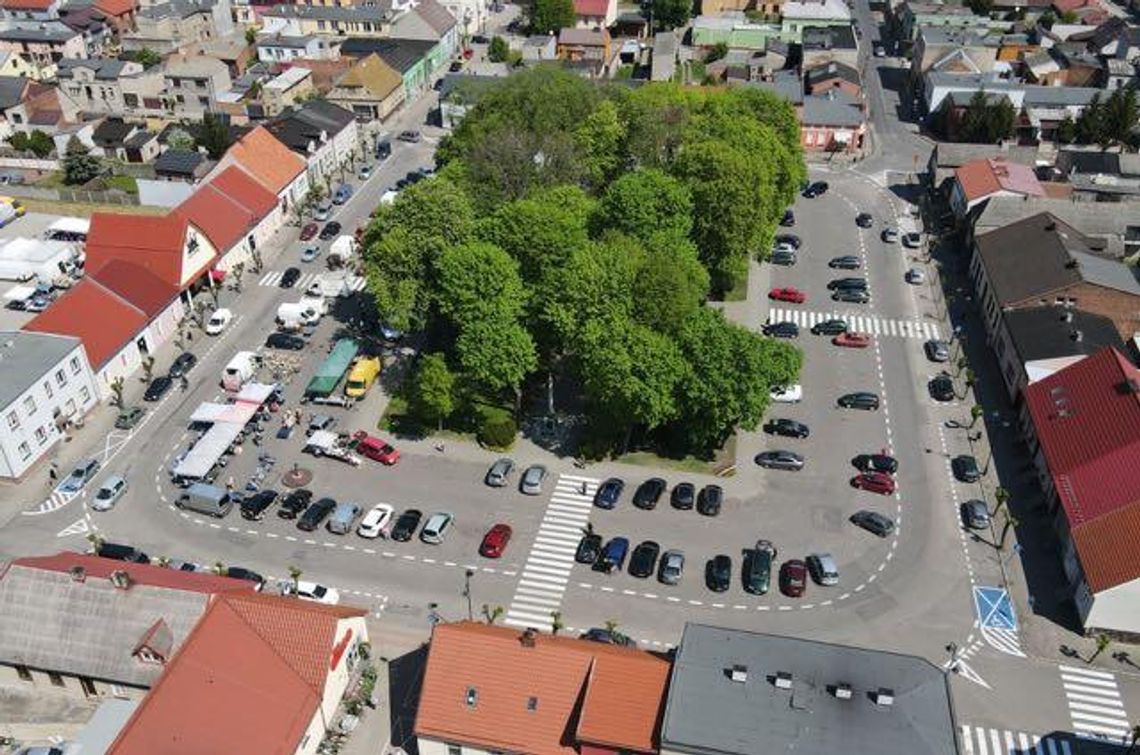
343 192
310 253
608 493
613 555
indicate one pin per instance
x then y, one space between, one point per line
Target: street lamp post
467 575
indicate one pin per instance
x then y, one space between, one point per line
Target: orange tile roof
570 681
116 7
25 4
273 164
989 175
223 221
248 679
151 241
1106 548
136 284
246 191
101 319
143 574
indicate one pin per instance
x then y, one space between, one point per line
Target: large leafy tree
599 140
551 15
496 355
1120 118
478 282
79 166
543 230
669 14
671 283
433 393
646 202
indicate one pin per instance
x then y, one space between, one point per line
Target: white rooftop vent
739 674
843 691
783 680
885 696
472 697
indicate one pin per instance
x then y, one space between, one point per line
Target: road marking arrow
79 528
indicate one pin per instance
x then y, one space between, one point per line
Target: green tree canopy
671 284
646 202
479 281
496 355
543 230
551 15
498 50
433 396
214 136
595 286
670 14
79 167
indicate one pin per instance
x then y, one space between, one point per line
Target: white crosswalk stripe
273 278
1095 706
978 740
546 571
1003 640
876 326
57 500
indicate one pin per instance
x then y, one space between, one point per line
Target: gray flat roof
711 714
26 357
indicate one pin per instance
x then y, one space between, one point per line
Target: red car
852 340
374 448
793 578
793 295
309 231
874 482
495 541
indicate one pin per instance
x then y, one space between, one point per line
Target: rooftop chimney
739 673
78 574
843 691
783 680
1067 316
527 638
885 696
1077 336
121 579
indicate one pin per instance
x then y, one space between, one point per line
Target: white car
436 528
376 522
915 277
314 592
787 394
218 321
109 493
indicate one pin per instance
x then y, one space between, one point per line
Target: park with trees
569 246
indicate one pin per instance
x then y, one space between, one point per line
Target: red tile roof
154 242
116 7
143 574
1087 421
244 189
537 699
989 175
136 284
228 207
101 319
591 7
248 679
1106 548
269 161
25 4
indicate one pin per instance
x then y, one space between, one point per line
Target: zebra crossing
1095 706
57 500
543 578
978 740
876 326
273 278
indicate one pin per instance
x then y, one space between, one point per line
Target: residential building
1097 176
544 47
295 658
233 50
734 692
470 15
417 60
946 157
271 164
733 29
717 7
46 385
371 90
13 65
283 49
193 85
181 165
288 88
236 213
827 44
832 122
1041 260
125 141
88 21
910 16
795 15
118 14
111 87
1035 342
172 249
97 627
460 93
591 45
41 109
595 14
167 26
978 181
42 44
30 10
953 50
831 76
327 20
1113 234
496 689
324 134
12 93
1083 429
429 21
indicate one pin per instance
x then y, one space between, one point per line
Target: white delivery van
295 315
240 369
342 250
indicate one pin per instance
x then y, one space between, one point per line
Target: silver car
436 528
109 493
671 568
780 460
500 472
531 482
937 351
80 476
823 570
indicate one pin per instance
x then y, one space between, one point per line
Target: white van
206 499
240 369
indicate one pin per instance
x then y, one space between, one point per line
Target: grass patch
86 209
462 425
696 71
126 184
624 73
722 464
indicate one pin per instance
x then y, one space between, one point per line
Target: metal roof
723 699
181 162
25 358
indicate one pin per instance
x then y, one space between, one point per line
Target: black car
859 400
589 548
383 150
455 67
829 328
789 428
122 553
290 277
608 493
317 513
608 637
406 525
845 262
183 364
254 507
158 388
709 500
683 496
876 463
965 468
718 573
330 231
782 330
816 189
790 239
294 503
437 86
941 388
851 296
864 220
480 39
843 284
240 572
286 341
648 493
789 218
643 562
756 571
873 522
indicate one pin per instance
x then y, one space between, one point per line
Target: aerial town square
569 377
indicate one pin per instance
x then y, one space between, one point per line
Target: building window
25 451
30 405
74 365
88 686
41 435
454 750
13 421
204 101
23 673
47 389
55 679
71 403
60 378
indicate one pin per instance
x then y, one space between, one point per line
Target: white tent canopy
238 413
206 452
71 225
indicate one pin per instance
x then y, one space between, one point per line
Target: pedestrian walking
230 484
53 472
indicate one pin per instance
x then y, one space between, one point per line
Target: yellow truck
361 376
16 204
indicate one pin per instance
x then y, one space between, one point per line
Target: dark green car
129 417
757 571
